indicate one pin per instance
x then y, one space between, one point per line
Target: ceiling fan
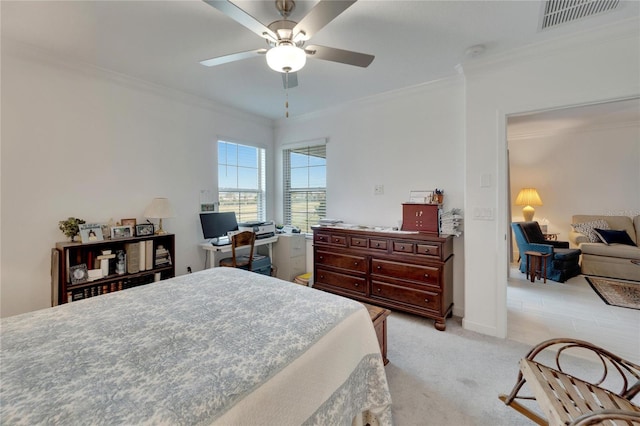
286 39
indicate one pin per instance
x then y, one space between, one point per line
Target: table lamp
528 197
159 208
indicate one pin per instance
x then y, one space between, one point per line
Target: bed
219 346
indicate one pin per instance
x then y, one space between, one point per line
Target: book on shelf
133 257
142 247
162 257
148 255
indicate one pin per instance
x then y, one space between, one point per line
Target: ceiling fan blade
293 80
242 17
338 55
233 57
323 13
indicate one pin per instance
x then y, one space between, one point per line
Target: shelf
70 254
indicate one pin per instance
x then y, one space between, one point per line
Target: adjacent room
210 207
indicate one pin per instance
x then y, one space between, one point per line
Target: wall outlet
378 190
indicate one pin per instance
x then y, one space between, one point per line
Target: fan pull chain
286 94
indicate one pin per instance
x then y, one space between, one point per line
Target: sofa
613 258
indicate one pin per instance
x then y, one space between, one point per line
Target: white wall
592 171
407 140
593 67
81 142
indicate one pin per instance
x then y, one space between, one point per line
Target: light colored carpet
452 377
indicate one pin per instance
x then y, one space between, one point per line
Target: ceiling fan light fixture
286 58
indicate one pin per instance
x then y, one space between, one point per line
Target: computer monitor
215 226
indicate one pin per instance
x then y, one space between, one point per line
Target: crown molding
626 29
32 53
450 81
573 131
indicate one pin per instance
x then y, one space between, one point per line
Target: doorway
573 157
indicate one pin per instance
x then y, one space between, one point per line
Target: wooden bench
567 400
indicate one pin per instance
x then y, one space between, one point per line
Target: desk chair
245 238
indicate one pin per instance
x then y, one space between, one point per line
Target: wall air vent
557 12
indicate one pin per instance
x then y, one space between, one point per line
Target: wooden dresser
405 271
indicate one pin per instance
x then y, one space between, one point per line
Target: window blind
305 182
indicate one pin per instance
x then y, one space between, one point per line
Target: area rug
616 293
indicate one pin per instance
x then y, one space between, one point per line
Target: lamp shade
528 197
159 208
286 58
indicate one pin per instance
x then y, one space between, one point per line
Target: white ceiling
163 41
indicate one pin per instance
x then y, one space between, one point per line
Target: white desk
213 251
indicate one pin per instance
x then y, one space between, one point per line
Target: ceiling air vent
557 12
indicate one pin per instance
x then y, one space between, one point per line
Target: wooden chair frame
241 239
568 400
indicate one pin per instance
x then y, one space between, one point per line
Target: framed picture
78 273
144 229
128 222
121 232
90 232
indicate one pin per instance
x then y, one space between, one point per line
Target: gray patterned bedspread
181 351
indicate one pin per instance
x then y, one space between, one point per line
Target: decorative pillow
587 228
609 236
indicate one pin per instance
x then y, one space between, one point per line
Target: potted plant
70 227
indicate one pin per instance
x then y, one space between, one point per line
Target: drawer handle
426 300
355 284
378 290
378 267
355 263
357 243
321 257
336 240
322 277
426 275
401 247
377 244
426 250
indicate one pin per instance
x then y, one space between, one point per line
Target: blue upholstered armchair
564 262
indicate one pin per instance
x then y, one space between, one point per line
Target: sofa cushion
611 236
614 222
587 228
618 250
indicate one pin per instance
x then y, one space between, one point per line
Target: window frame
320 191
260 192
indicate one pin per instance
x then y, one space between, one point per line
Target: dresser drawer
344 261
336 279
410 296
378 244
428 249
321 237
402 247
425 274
358 242
333 239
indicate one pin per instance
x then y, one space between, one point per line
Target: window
241 180
305 186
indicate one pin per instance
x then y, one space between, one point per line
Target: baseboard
479 328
